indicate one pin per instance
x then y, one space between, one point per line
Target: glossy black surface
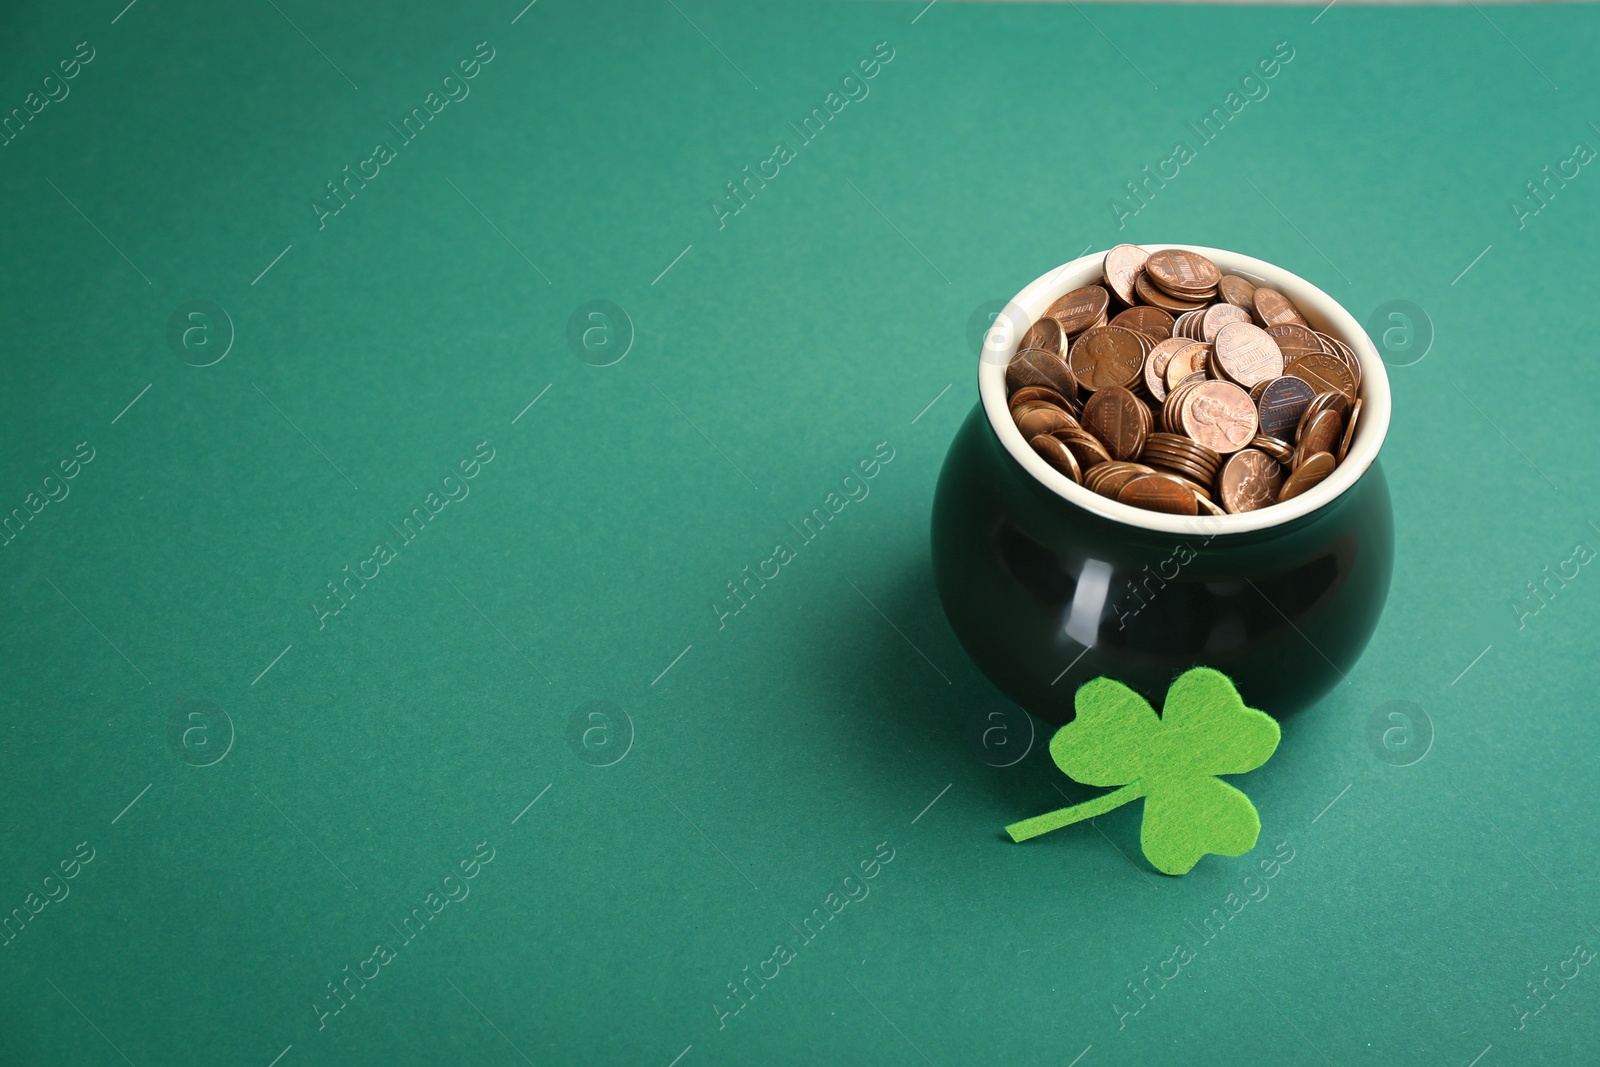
1034 585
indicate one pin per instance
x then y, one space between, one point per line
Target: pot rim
1321 310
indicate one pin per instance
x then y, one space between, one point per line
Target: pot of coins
1173 461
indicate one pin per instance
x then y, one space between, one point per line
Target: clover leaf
1204 730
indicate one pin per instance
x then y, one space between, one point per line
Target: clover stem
1055 820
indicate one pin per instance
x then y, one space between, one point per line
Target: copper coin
1152 322
1237 291
1308 474
1172 407
1045 334
1326 374
1246 355
1159 492
1086 448
1344 352
1273 447
1281 403
1037 417
1106 355
1123 264
1202 456
1191 484
1181 365
1035 366
1272 307
1019 406
1169 465
1180 454
1207 506
1155 365
1219 315
1107 479
1080 309
1324 402
1318 435
1349 430
1149 294
1294 341
1029 394
1058 455
1180 271
1249 480
1119 419
1188 325
1220 416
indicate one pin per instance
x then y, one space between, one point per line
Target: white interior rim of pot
1321 310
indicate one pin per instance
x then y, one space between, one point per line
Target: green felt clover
1204 730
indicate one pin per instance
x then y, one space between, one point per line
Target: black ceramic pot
1048 585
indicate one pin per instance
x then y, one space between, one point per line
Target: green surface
829 730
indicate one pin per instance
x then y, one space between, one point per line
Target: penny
1272 307
1200 491
1045 334
1170 465
1220 416
1119 419
1320 403
1309 473
1105 356
1237 291
1349 431
1038 417
1031 393
1294 341
1246 355
1080 309
1155 365
1249 480
1320 435
1273 447
1181 365
1123 264
1036 366
1207 506
1107 479
1182 272
1178 453
1152 322
1280 403
1172 407
1058 455
1219 315
1148 293
1184 446
1326 374
1159 492
1085 448
1344 352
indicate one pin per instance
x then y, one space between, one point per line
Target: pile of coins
1174 387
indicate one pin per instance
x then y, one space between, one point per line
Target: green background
776 753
